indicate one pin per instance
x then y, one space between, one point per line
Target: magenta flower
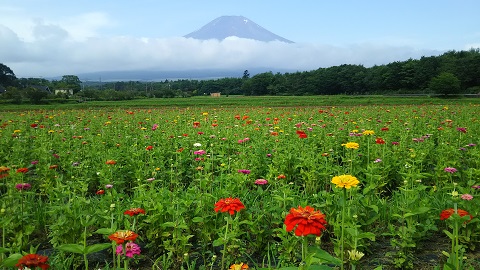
35 162
395 143
131 249
466 197
154 127
261 182
476 187
109 186
244 171
462 129
377 160
450 170
23 186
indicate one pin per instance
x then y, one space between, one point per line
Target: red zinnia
4 171
306 220
100 192
33 260
447 213
134 211
148 148
122 236
22 170
229 205
301 134
379 141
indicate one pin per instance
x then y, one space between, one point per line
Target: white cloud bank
52 50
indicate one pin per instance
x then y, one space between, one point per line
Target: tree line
454 72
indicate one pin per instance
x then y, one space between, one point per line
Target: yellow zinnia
368 132
345 181
351 145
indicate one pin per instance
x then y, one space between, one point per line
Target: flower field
240 187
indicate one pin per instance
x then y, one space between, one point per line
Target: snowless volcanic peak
239 26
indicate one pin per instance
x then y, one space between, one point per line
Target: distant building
64 91
215 94
41 88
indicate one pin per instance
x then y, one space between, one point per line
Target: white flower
197 144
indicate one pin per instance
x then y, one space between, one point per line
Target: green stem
85 247
342 239
225 244
455 240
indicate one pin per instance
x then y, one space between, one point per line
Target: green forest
452 73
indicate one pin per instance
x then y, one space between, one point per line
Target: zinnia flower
261 182
134 211
301 134
450 170
31 261
446 214
466 197
239 266
148 148
462 129
131 249
4 171
22 170
379 141
229 205
110 162
306 220
122 236
368 132
100 192
23 186
345 181
351 145
244 171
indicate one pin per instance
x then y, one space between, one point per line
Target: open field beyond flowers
219 187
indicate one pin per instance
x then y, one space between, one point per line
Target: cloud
55 50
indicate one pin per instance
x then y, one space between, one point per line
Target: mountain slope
239 26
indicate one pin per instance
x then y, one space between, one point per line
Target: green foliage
445 84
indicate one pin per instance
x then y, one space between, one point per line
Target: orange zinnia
229 205
122 236
111 162
446 214
134 211
306 220
33 260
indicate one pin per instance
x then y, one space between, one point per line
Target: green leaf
3 250
197 219
319 267
11 260
105 231
168 224
323 255
97 247
74 248
218 242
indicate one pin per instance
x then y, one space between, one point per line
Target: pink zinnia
261 182
466 197
132 249
450 170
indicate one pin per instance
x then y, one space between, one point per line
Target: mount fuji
239 26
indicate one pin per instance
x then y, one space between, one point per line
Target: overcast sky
41 38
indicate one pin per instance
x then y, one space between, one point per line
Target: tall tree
7 77
445 84
71 82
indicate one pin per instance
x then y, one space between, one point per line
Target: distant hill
238 26
155 75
